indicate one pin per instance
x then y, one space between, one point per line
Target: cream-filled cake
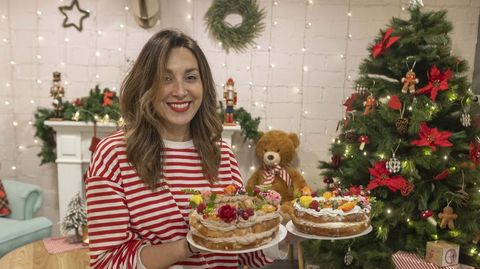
331 215
236 219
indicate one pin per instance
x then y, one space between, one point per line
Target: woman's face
180 96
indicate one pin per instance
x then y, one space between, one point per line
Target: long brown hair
142 123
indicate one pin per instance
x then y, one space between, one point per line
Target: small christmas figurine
370 104
230 96
409 82
57 92
447 217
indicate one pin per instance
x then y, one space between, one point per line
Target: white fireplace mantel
73 140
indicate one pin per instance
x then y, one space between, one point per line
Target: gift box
442 253
405 260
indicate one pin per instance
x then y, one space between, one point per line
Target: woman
137 212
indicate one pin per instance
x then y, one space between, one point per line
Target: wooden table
35 256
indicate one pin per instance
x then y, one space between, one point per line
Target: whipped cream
330 211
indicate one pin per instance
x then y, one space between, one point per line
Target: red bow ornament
432 137
437 81
395 103
349 102
386 42
381 177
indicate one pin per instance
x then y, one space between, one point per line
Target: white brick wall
274 90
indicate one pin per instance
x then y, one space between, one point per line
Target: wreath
235 37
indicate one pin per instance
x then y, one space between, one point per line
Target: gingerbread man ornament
409 82
447 217
369 104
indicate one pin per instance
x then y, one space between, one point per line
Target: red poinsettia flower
437 81
107 97
349 102
385 43
78 102
227 213
474 153
432 137
381 177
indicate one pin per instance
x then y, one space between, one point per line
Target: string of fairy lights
8 85
271 65
38 62
300 90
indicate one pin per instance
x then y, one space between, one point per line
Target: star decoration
75 4
432 137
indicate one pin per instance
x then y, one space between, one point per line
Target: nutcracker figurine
230 96
57 92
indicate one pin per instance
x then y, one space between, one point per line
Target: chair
21 227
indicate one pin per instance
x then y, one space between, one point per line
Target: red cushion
4 208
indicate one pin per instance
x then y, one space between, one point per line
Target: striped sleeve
112 244
255 259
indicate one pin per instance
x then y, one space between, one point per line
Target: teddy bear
447 217
275 151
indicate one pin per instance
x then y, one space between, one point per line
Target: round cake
331 215
234 220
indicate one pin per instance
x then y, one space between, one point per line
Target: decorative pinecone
350 137
402 126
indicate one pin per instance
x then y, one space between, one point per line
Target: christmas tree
75 218
407 139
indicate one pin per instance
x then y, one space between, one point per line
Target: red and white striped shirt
124 213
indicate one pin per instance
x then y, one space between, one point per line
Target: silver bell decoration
393 165
348 259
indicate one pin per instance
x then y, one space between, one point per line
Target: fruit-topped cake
332 214
235 219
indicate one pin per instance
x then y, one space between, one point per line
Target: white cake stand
291 228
